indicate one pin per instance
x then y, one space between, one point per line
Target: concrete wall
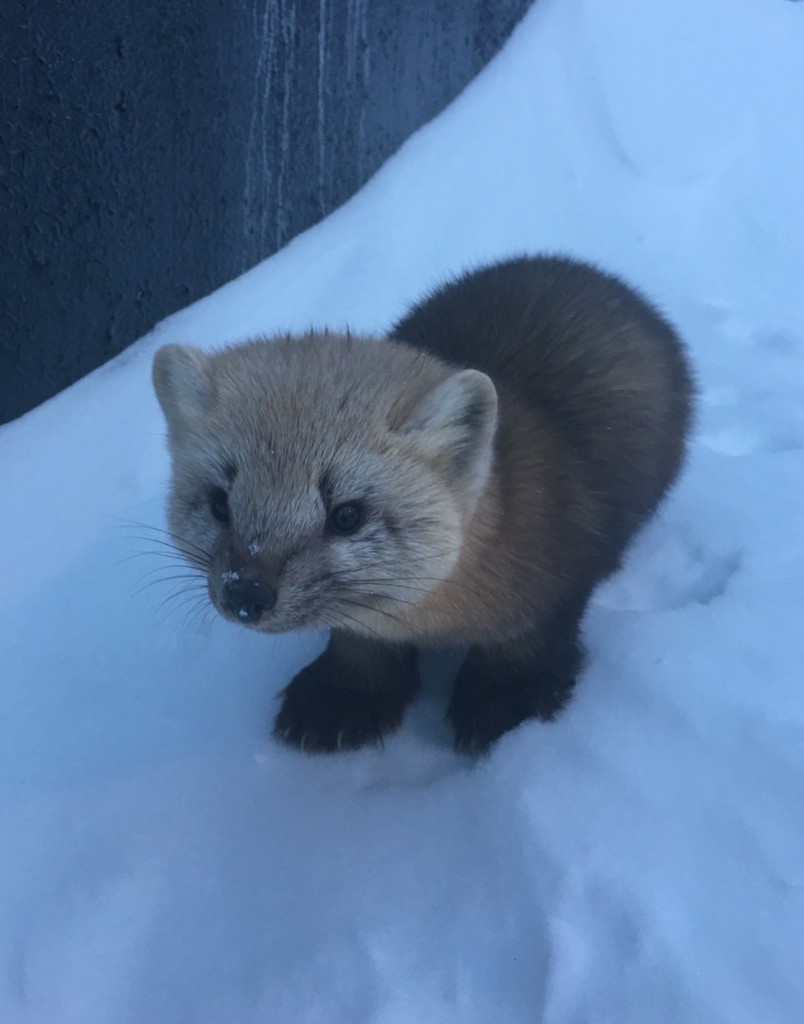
151 152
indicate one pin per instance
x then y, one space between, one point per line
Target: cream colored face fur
293 428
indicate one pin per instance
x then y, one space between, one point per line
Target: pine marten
467 479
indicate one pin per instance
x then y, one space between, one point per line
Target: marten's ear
454 425
182 384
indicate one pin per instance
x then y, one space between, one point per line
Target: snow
639 861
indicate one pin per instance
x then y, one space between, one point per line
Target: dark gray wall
151 152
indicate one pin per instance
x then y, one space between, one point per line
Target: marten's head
323 480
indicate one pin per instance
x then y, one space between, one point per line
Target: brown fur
495 500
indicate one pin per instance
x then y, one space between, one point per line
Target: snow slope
639 861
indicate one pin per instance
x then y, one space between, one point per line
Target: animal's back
590 353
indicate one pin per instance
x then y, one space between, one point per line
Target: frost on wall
150 154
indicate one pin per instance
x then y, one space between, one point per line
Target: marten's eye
346 519
219 504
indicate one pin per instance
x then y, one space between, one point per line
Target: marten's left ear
454 425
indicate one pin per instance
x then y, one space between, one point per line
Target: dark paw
317 714
489 701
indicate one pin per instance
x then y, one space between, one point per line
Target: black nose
248 600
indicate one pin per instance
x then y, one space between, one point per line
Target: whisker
210 617
387 581
180 568
194 615
174 599
146 553
404 583
391 582
392 562
171 541
380 611
166 550
386 596
360 626
190 583
178 564
140 523
401 560
204 617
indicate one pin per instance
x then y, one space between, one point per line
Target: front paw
490 700
319 713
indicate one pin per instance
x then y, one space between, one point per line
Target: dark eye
346 519
219 504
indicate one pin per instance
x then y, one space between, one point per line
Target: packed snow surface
639 861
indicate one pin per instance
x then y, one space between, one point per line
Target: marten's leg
499 687
350 696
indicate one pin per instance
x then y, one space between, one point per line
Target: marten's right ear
182 384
